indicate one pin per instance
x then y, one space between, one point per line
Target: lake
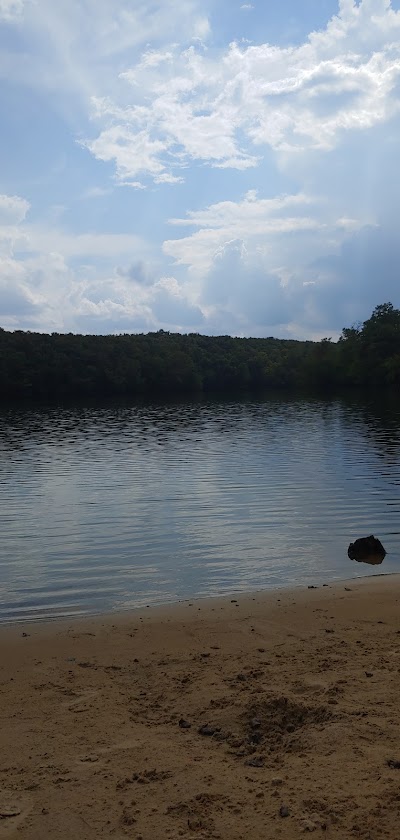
118 506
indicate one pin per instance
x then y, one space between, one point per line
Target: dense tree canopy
58 365
370 352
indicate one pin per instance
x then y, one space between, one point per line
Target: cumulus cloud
53 280
315 126
114 305
105 305
172 308
289 266
261 223
16 301
349 284
241 293
226 109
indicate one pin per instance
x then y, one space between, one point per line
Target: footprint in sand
14 807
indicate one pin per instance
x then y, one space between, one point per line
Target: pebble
207 730
255 762
284 811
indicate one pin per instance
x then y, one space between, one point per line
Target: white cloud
241 295
289 266
319 120
349 224
201 29
225 109
53 280
13 209
171 305
252 285
11 10
105 305
247 214
78 47
254 220
133 153
18 297
121 303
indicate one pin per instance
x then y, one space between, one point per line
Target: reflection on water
371 559
117 506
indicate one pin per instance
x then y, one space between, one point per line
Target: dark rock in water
367 550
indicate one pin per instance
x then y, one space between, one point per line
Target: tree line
36 365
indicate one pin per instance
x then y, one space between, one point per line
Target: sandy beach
265 716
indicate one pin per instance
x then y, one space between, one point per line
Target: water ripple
111 507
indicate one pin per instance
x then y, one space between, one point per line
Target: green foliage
370 351
53 366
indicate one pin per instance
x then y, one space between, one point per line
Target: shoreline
263 715
205 599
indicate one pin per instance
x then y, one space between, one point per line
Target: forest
37 365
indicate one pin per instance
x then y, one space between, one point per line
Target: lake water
113 507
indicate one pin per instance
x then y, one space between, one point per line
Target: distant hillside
46 366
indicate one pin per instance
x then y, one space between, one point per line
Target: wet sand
263 717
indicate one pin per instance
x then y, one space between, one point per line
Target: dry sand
298 691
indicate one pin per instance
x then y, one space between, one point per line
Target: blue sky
212 166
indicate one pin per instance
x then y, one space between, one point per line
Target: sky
214 167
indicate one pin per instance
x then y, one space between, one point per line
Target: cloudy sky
213 166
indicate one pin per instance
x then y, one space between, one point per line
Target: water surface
117 506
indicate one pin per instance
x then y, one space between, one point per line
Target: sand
266 716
